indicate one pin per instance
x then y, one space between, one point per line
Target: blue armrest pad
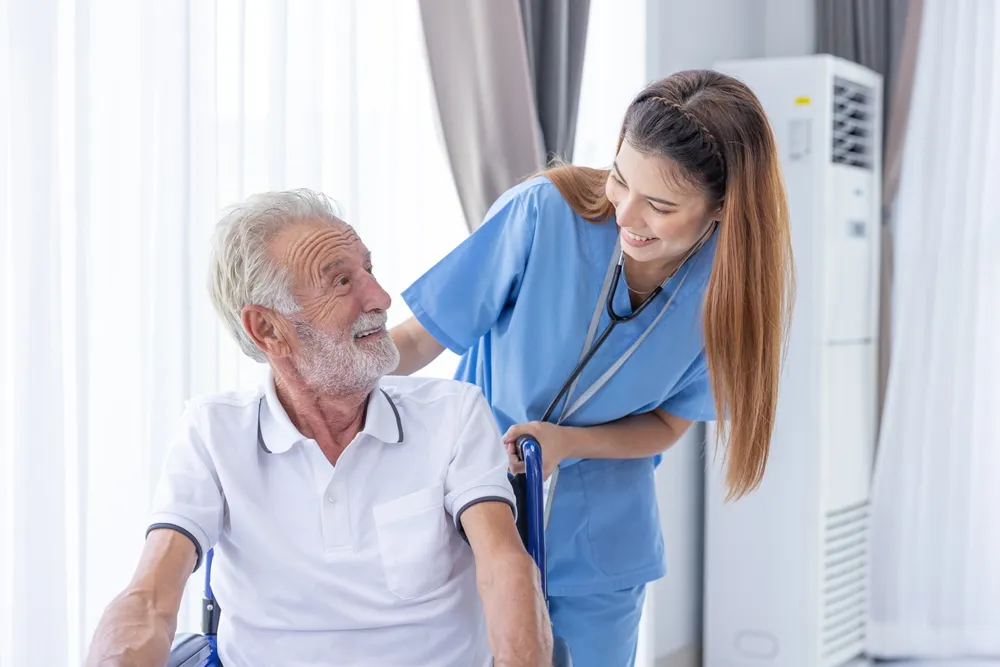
189 651
560 653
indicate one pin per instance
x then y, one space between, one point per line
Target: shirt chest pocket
414 537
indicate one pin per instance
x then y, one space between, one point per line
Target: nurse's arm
517 620
632 437
416 346
137 628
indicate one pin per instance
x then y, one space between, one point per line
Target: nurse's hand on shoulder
554 441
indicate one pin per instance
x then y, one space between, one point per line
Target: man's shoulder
223 406
428 390
434 399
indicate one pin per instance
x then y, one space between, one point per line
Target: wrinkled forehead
308 248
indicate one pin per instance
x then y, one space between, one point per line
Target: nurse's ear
269 331
717 215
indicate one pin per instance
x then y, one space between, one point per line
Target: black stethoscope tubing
616 319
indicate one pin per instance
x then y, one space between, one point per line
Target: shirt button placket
336 526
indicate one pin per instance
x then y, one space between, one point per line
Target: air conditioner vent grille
853 124
845 580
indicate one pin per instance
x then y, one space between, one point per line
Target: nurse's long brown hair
714 128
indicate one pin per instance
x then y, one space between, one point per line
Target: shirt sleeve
693 399
189 495
478 469
463 295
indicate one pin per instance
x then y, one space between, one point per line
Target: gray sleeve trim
484 499
185 533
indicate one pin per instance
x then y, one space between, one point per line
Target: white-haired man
357 519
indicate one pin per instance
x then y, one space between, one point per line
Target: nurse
693 212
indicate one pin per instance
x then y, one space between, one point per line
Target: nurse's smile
636 240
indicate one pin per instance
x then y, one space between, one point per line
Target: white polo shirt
362 564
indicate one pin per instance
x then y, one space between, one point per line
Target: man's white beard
337 366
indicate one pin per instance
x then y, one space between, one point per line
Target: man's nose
376 298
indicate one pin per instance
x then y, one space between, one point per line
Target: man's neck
332 420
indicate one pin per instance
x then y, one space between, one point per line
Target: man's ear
268 330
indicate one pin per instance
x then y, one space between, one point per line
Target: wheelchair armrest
560 653
189 650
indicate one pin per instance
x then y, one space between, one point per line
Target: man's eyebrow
330 266
340 261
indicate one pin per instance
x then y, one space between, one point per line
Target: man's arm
517 619
137 628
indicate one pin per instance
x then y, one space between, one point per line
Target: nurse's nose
627 212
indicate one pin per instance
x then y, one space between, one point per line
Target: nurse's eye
617 180
659 210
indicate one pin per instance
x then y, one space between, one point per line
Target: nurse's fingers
534 429
516 467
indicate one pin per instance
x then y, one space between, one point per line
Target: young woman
682 244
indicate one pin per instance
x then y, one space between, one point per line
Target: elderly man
357 519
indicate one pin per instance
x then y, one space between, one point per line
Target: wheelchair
201 650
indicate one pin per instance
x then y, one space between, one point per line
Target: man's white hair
242 274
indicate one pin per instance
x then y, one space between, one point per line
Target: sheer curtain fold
33 403
936 540
125 129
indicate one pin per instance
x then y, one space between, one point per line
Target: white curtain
936 506
125 126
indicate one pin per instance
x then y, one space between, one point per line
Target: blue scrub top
514 300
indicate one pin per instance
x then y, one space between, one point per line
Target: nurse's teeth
632 235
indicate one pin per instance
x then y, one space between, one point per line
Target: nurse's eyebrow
656 199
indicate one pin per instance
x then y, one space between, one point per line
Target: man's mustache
369 321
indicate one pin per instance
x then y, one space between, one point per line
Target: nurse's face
661 216
341 340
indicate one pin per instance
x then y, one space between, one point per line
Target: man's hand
138 626
517 619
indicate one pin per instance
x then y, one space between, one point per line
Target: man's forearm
137 628
632 437
132 633
520 631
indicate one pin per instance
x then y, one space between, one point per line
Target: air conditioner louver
845 581
853 124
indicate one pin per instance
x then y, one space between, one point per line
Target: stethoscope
592 344
615 320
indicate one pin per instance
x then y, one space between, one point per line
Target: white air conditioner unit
786 567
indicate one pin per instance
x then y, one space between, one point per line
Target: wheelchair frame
194 650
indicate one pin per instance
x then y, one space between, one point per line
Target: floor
940 663
689 657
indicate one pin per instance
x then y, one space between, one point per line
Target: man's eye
342 281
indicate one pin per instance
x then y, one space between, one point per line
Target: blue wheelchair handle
529 451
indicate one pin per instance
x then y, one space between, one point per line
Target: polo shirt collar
277 434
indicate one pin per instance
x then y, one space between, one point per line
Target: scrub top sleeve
462 296
189 497
693 400
478 468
